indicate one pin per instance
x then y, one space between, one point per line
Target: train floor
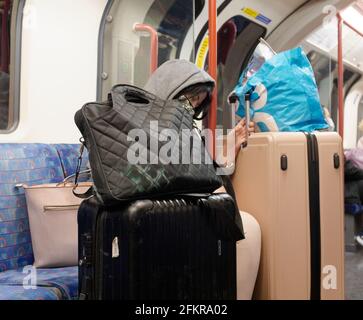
354 275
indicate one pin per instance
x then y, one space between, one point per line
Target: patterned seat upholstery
30 164
9 292
64 280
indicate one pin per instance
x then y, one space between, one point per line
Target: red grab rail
212 68
154 43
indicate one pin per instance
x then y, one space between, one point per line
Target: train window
325 72
10 26
138 36
237 38
128 54
326 75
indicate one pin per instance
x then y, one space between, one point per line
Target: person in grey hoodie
183 80
178 79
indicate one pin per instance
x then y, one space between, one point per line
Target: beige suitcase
292 183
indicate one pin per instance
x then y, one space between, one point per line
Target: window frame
101 75
16 26
359 119
101 43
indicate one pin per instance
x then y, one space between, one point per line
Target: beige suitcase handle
248 118
233 101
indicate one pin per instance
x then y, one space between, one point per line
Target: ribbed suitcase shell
302 246
167 249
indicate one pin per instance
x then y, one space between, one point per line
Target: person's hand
240 132
251 127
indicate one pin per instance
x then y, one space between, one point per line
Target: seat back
28 164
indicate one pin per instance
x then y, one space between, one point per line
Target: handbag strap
227 184
90 192
70 177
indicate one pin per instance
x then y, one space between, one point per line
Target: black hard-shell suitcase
177 248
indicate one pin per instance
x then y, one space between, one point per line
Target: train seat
51 284
9 292
31 164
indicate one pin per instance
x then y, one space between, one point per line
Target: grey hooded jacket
174 76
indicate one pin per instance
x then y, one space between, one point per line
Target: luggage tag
115 248
89 193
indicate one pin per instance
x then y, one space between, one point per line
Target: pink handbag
52 210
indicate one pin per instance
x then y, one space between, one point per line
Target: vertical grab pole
212 69
340 77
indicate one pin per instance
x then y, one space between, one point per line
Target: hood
174 76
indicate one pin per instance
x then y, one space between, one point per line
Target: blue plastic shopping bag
284 95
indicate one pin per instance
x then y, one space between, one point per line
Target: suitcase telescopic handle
233 102
247 116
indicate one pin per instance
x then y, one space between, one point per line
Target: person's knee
252 230
248 257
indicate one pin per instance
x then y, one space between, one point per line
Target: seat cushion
65 280
19 293
27 164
